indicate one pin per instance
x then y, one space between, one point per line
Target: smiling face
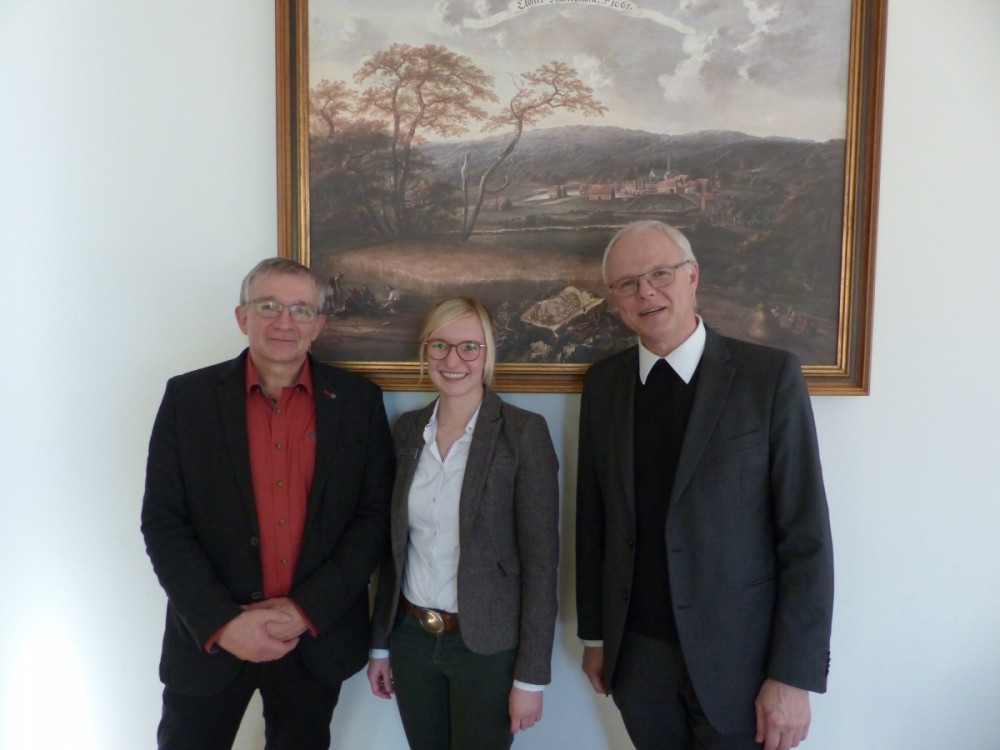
280 342
452 376
662 318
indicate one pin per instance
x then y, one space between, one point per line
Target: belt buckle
431 621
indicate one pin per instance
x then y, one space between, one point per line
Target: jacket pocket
510 566
760 581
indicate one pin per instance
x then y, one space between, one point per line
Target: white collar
431 426
684 359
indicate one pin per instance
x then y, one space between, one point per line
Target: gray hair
277 267
672 233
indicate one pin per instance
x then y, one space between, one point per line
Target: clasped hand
264 631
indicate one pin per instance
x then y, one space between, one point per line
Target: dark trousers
449 697
297 710
653 691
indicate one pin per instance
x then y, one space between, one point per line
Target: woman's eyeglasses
467 350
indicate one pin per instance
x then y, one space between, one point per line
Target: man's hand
593 667
247 636
783 715
289 629
380 678
525 707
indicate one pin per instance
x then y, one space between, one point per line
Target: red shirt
282 460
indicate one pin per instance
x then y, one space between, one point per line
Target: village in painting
425 182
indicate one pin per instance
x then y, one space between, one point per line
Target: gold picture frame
842 334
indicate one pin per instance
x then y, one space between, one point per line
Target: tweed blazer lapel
477 466
232 396
409 440
714 380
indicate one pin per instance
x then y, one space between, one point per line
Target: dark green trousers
449 697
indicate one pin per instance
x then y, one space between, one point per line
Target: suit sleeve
800 636
589 530
388 583
384 594
333 587
536 505
183 566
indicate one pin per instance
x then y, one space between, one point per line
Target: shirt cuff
312 628
378 653
528 686
212 644
592 644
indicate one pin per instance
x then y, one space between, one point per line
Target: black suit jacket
199 520
747 528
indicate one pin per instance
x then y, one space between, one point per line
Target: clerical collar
684 359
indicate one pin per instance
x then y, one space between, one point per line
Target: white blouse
430 578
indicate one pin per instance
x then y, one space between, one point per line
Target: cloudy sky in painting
763 67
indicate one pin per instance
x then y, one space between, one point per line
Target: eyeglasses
657 278
270 309
468 351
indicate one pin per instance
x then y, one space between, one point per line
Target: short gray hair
278 267
674 234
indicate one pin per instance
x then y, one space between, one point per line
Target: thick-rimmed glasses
467 350
270 309
657 278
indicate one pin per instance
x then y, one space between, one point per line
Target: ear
318 326
694 275
241 317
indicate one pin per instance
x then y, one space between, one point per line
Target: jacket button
254 541
256 596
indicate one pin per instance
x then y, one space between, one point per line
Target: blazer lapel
233 410
409 445
714 380
624 425
477 466
327 417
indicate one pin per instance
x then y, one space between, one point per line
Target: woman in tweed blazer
466 602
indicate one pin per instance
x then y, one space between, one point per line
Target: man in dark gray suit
704 558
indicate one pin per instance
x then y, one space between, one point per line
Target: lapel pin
329 394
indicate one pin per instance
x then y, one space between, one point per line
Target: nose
453 357
284 317
644 288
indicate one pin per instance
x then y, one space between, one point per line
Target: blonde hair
452 309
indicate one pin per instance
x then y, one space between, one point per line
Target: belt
434 621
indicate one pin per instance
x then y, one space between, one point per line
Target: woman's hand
525 708
380 677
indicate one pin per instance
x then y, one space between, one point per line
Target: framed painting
492 147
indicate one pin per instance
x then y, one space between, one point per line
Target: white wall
137 186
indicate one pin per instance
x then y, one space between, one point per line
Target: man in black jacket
265 513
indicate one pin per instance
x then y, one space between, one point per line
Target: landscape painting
486 148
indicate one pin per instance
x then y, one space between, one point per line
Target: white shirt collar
430 429
684 359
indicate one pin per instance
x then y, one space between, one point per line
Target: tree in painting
539 93
349 157
368 173
418 90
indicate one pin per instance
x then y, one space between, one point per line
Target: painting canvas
491 148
